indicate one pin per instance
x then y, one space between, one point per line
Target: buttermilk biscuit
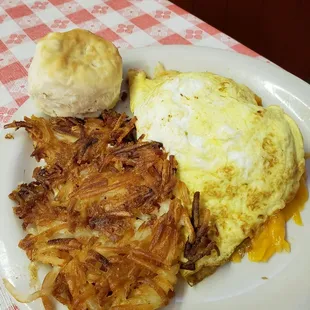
75 73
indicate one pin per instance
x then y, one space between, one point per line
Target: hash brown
99 213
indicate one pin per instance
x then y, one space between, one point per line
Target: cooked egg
246 160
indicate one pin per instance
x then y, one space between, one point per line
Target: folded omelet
245 160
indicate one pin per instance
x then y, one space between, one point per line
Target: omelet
246 160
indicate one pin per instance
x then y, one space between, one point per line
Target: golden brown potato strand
94 213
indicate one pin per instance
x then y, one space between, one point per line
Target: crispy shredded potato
102 212
202 243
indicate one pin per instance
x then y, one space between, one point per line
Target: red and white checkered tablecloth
127 23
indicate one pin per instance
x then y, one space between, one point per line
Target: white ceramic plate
234 286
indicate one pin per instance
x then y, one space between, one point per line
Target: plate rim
267 63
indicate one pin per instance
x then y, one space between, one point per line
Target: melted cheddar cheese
271 239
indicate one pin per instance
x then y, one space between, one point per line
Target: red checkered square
174 39
12 72
19 11
3 47
58 2
144 21
244 50
37 32
22 100
119 4
108 34
176 9
207 28
80 16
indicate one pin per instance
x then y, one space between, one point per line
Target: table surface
127 23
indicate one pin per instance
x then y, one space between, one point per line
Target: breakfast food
75 73
103 213
110 214
245 160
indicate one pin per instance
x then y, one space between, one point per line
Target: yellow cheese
272 238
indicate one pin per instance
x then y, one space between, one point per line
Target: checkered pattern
127 23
